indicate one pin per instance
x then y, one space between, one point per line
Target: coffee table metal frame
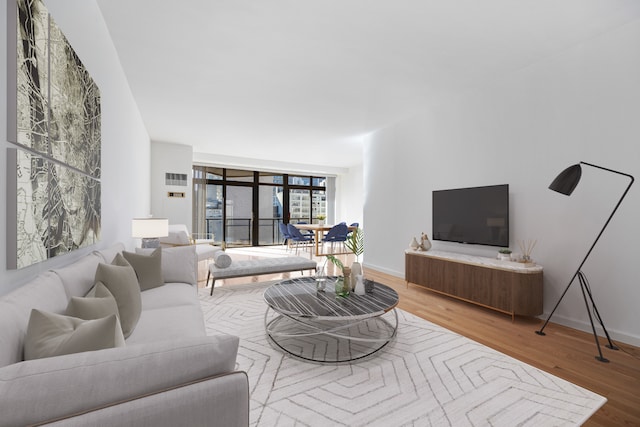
327 314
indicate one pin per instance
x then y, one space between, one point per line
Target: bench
256 267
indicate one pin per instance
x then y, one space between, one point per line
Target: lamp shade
567 180
145 228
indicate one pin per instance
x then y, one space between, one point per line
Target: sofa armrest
35 391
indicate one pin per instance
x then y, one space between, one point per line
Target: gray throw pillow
50 334
98 303
122 282
221 259
148 268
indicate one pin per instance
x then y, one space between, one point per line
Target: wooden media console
505 286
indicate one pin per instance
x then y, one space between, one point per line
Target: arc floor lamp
565 183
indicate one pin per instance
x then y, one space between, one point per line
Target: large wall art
54 117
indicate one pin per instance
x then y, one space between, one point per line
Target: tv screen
477 215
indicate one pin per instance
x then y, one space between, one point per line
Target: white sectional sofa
168 372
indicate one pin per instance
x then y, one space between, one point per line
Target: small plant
336 262
321 217
505 251
355 243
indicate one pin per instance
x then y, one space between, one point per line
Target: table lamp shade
567 180
145 228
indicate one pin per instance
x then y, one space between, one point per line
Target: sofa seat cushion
170 295
168 323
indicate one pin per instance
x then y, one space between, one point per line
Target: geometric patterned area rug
427 376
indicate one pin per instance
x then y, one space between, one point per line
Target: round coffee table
326 328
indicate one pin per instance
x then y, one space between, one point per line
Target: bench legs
213 282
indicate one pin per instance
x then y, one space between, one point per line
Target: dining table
318 231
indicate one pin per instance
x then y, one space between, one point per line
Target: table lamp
150 230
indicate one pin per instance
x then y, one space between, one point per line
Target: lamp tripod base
586 292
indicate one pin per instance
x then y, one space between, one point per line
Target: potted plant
504 254
321 218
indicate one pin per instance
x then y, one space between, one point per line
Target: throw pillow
50 334
148 268
98 303
221 259
122 282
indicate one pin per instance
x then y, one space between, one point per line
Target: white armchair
179 236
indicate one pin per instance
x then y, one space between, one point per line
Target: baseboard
621 337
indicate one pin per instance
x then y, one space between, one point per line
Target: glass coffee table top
326 328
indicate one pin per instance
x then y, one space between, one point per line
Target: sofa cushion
122 282
78 277
38 390
50 334
45 292
148 268
110 253
178 264
98 303
178 235
170 295
168 323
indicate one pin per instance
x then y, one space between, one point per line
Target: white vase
321 222
359 290
356 270
426 243
414 244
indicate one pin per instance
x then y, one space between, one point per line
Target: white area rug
428 376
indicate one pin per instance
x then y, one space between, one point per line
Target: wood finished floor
564 352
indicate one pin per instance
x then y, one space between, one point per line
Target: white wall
582 105
350 196
125 142
171 158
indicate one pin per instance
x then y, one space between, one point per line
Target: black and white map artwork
54 117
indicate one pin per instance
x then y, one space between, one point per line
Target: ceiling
305 81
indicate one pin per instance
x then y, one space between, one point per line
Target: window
242 207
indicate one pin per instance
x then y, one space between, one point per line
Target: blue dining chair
337 233
285 234
296 236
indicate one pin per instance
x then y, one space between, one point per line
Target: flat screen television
477 215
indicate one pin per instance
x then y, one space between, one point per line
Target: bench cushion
255 267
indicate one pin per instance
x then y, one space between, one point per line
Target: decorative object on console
504 254
150 230
565 183
425 244
527 248
414 244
